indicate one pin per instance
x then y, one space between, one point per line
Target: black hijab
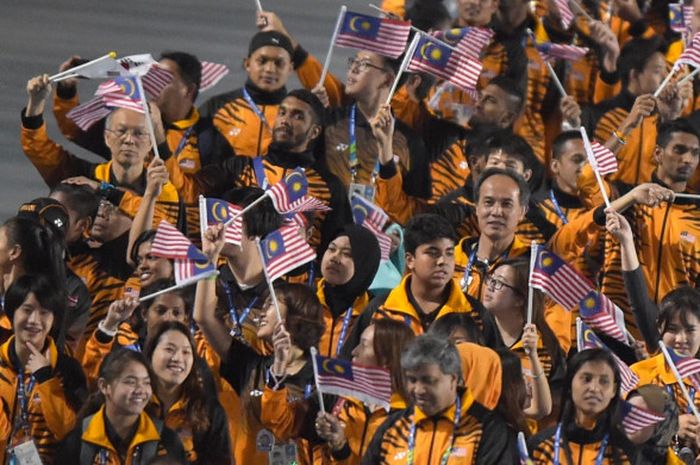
365 258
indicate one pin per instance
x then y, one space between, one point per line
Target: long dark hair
192 388
513 392
390 338
42 248
304 319
49 296
112 366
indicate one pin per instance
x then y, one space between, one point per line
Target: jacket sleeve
643 308
53 162
497 444
373 453
96 349
309 72
283 418
391 197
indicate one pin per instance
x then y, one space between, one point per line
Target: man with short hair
444 424
245 116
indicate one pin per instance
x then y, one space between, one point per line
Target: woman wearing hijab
348 267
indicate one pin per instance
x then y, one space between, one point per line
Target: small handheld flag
218 211
565 13
169 242
561 282
469 41
550 51
594 164
371 385
284 250
635 418
675 17
370 216
434 57
384 36
605 158
103 67
598 311
587 339
688 367
289 194
212 73
688 372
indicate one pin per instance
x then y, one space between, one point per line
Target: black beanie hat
273 38
48 212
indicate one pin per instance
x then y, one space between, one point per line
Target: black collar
290 160
262 97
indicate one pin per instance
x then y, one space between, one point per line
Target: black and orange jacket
333 324
52 403
93 438
635 158
240 125
481 437
583 446
104 271
360 425
55 164
201 447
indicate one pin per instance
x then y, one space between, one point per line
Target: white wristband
101 327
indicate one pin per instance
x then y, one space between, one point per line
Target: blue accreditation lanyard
353 160
23 400
557 446
691 394
410 457
467 277
344 330
233 312
181 145
251 103
260 173
557 208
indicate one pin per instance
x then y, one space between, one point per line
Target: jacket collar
188 122
289 160
262 97
357 306
9 355
96 431
449 414
399 301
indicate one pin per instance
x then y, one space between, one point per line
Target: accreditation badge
363 190
283 454
25 454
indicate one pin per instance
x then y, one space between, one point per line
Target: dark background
36 36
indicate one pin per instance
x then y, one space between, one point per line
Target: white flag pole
147 112
579 334
552 74
203 216
665 81
177 286
273 296
530 290
404 63
689 77
314 352
73 71
594 165
686 196
258 5
254 203
327 63
679 379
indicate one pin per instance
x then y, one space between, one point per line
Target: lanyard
353 160
260 173
233 313
312 275
135 347
254 107
445 457
343 330
181 145
23 400
557 444
557 208
691 394
467 277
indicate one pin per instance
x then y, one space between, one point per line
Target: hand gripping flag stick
73 72
147 113
404 63
594 165
327 63
679 379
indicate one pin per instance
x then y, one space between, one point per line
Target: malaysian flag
688 13
605 159
554 276
675 17
550 51
289 194
212 73
121 92
155 80
384 36
89 113
434 57
688 367
599 312
284 250
589 340
469 41
565 13
169 242
691 54
370 216
220 212
371 385
136 65
193 268
634 418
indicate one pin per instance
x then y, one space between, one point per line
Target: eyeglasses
361 65
496 285
135 133
106 209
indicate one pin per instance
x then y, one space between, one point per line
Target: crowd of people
219 372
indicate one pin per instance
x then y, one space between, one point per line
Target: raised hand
213 241
118 312
156 177
36 360
38 88
282 347
383 130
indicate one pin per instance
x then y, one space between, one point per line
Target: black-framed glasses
496 284
135 133
362 65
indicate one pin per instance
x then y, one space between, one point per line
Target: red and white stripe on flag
635 418
605 158
89 113
390 39
565 13
155 80
296 253
212 73
367 382
460 70
691 54
169 242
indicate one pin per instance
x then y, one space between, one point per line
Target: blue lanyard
467 277
183 141
410 457
23 399
260 173
135 347
344 330
691 393
353 160
312 276
557 208
251 103
233 313
557 445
